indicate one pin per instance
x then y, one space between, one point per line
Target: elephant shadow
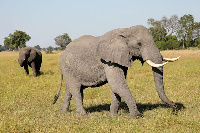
49 72
141 107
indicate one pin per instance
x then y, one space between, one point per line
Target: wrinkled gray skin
29 56
92 61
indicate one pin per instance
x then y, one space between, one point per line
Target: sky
44 20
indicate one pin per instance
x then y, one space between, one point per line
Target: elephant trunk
22 60
153 57
21 63
158 78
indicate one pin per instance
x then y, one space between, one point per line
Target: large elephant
29 56
92 61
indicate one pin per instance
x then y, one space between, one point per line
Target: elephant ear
32 55
115 50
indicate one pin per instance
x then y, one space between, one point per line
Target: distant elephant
93 61
32 57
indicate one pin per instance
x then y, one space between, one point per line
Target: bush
198 46
160 45
1 48
170 44
49 50
197 42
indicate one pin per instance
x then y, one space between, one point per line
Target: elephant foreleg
26 69
118 85
116 99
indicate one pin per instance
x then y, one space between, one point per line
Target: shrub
160 45
49 50
168 45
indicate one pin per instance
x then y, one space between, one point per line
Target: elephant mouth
138 58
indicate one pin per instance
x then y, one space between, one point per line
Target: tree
16 40
165 23
157 30
197 43
162 32
196 30
185 33
63 40
44 49
49 50
57 48
171 25
8 42
1 48
37 47
174 24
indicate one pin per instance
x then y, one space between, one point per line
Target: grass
26 102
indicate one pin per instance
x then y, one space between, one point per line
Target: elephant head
26 54
123 46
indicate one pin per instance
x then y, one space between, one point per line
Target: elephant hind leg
116 99
74 89
34 69
66 103
38 69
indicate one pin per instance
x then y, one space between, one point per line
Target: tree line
19 38
168 33
175 32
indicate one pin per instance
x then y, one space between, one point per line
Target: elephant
93 61
29 56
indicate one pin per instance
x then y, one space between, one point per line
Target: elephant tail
58 94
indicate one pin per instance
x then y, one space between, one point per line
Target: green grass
26 102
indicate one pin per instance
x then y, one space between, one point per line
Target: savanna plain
26 101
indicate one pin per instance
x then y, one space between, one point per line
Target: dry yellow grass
185 54
9 53
26 102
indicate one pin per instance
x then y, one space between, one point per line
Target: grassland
26 102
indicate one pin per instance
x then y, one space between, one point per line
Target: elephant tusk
149 62
171 59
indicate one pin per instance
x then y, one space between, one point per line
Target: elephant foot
136 115
64 110
82 112
38 73
113 113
